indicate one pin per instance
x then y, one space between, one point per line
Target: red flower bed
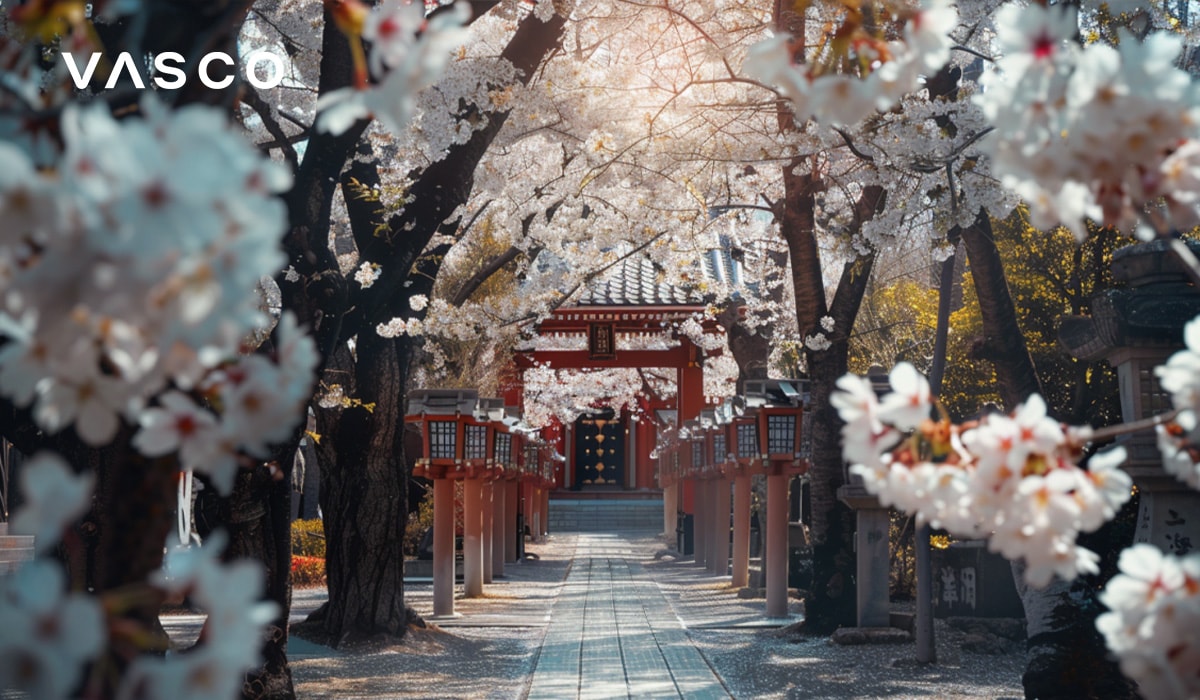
308 571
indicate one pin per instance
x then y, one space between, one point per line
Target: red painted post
741 531
488 491
499 522
472 538
777 541
720 528
511 495
443 547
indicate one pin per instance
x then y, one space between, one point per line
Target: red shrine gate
603 453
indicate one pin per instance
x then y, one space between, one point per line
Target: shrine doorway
599 451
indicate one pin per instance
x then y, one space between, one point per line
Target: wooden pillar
545 511
472 538
700 522
719 552
499 526
512 495
670 505
535 507
690 401
741 531
486 535
443 547
777 544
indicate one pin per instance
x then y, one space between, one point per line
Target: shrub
308 571
308 538
419 521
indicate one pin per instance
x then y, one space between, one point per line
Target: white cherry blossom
910 400
1153 625
49 633
54 497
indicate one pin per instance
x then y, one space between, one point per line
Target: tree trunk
363 494
363 499
833 601
259 526
1003 343
834 594
1067 656
119 543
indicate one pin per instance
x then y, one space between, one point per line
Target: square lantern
443 416
502 449
741 430
779 407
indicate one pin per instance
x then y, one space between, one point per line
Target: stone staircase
14 550
606 515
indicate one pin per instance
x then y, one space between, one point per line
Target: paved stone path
612 634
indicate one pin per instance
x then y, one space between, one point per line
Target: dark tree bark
833 601
363 493
1003 343
364 502
751 349
1067 656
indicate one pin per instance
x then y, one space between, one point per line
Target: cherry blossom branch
1191 264
973 52
253 100
1112 431
850 144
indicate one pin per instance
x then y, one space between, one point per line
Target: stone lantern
871 542
1136 327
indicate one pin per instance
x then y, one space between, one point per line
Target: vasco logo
169 74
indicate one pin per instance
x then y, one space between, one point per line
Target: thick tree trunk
259 525
363 494
834 595
119 543
363 497
833 601
1067 657
1003 343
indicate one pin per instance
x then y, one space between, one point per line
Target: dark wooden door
599 451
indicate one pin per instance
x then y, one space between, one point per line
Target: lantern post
772 446
441 415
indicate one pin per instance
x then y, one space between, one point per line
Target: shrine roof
637 281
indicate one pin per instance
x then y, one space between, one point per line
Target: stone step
597 515
15 550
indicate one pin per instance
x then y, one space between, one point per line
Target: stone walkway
594 615
613 634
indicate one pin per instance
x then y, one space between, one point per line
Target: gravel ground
490 651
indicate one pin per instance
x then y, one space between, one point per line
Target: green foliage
1050 276
418 522
902 576
308 538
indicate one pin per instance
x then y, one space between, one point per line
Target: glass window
476 442
442 434
747 440
781 434
502 448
